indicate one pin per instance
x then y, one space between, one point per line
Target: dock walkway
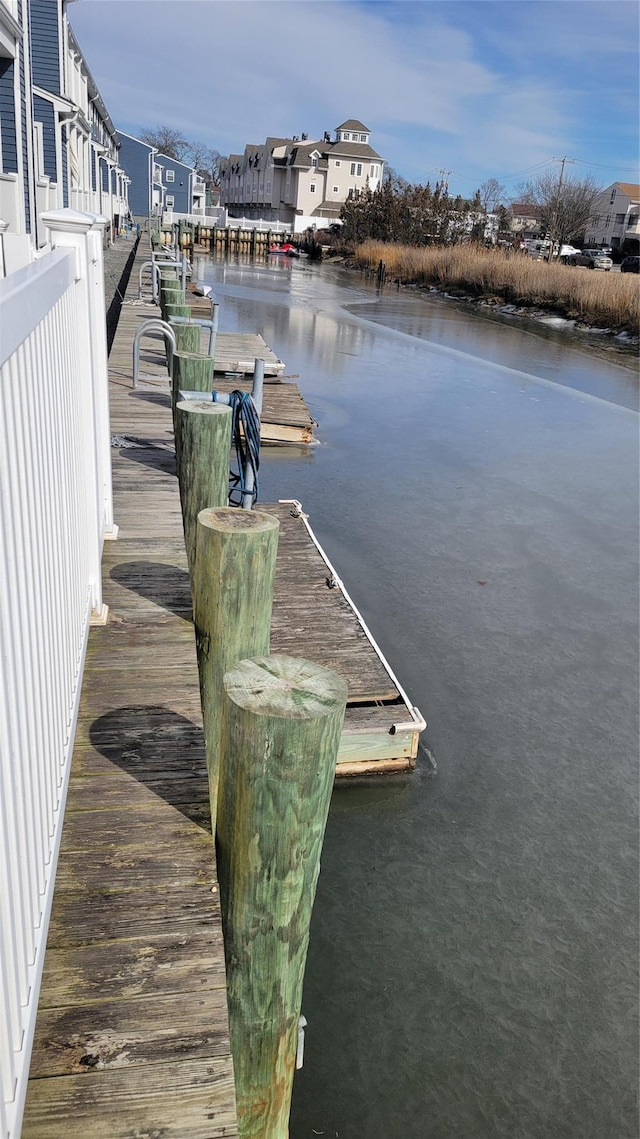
132 1034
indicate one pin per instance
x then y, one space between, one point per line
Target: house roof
629 188
353 149
353 125
524 210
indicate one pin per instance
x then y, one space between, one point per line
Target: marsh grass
601 300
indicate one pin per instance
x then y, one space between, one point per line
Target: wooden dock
132 1036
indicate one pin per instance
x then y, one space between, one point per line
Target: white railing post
69 228
97 307
4 225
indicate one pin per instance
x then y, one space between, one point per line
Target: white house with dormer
298 180
615 218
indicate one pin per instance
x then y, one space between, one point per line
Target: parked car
630 265
593 259
567 252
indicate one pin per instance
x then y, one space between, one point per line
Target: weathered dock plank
192 1099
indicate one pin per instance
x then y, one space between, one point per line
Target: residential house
524 219
58 145
158 182
615 220
301 181
180 183
146 191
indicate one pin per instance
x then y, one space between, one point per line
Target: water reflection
330 312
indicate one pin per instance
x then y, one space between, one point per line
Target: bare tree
490 194
167 141
565 204
206 160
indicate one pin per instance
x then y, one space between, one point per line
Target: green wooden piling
191 373
188 337
232 600
203 456
282 724
176 310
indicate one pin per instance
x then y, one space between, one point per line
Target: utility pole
562 162
444 180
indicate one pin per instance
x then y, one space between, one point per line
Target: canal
474 952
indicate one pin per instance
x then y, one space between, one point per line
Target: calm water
473 962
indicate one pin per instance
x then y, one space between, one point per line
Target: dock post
187 336
203 457
282 723
176 310
191 373
235 566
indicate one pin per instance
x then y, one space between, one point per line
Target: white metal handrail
55 511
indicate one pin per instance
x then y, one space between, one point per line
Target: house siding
45 49
43 112
133 156
180 188
8 117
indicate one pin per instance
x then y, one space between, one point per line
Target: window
356 168
345 135
170 175
314 161
633 220
338 162
170 201
312 188
373 170
363 138
619 219
353 167
336 189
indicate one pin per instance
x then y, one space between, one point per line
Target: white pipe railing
55 512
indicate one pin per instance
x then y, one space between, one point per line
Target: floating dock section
314 618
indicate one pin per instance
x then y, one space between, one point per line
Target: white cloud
419 75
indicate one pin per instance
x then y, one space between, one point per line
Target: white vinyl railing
55 512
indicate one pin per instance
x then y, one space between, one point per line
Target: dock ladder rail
158 262
153 324
211 324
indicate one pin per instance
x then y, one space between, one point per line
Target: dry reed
598 299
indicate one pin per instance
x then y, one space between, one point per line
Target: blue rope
245 434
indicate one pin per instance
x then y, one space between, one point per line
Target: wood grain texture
203 452
281 729
232 599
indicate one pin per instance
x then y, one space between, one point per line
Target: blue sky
480 88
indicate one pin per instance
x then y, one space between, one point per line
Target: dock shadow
161 749
166 585
149 455
160 398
